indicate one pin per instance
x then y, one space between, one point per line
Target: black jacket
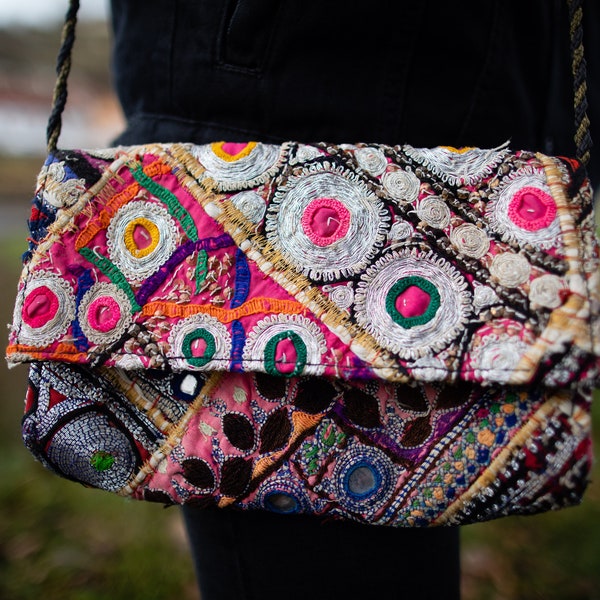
429 72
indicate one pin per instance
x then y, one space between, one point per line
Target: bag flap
349 261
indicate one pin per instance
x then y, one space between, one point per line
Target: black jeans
264 556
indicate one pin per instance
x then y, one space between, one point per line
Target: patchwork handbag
393 335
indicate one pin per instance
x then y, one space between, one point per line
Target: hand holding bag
394 335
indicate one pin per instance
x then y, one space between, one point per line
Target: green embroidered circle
271 349
102 461
399 288
209 352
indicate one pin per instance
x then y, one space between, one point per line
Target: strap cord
63 67
582 137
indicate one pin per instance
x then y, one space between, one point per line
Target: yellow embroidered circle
141 237
232 152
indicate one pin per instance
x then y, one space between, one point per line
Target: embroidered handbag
394 335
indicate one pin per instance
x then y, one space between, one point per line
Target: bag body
394 335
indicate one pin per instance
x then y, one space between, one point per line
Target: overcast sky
36 13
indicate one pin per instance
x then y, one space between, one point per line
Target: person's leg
259 556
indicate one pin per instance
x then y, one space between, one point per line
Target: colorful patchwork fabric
371 451
351 262
392 335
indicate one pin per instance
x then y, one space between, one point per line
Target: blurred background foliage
60 541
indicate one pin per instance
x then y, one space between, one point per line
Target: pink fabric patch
285 351
198 347
104 314
532 209
141 237
413 302
325 221
232 148
40 307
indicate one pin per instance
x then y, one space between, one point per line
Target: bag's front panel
374 452
347 261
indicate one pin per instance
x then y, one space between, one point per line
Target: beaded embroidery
375 452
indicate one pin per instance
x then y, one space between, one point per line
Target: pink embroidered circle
40 307
413 302
103 314
325 221
532 209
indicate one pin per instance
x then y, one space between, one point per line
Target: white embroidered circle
327 223
44 309
140 238
401 230
341 295
371 160
470 240
511 270
253 165
199 343
483 296
434 211
304 153
458 167
402 185
251 204
267 342
522 210
497 357
546 290
412 303
104 313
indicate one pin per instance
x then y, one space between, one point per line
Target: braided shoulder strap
583 139
63 67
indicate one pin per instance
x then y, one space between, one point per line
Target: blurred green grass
61 541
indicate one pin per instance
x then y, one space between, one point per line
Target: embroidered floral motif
250 164
371 160
44 309
104 313
402 185
434 212
546 291
199 342
511 270
342 295
140 239
327 223
458 166
522 210
286 345
413 303
470 240
251 204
